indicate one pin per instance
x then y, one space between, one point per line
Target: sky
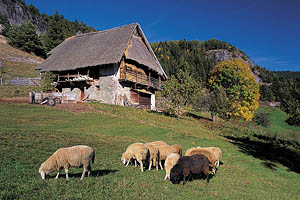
268 31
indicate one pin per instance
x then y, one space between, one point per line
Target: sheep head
43 174
124 158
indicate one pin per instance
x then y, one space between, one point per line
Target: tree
4 21
178 91
242 91
25 38
47 81
290 103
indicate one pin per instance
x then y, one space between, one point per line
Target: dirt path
72 107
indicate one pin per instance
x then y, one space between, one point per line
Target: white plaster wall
152 101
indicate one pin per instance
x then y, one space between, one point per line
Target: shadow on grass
271 150
199 117
94 173
201 176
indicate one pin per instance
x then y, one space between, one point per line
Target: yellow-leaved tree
241 88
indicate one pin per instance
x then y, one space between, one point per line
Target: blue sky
268 31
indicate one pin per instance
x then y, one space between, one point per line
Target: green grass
278 126
29 134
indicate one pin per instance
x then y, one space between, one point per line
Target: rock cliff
17 12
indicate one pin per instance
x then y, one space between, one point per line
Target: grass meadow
255 166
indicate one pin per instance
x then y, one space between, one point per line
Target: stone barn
115 66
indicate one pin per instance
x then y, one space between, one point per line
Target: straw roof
101 48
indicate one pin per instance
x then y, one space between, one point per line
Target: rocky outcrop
17 12
220 55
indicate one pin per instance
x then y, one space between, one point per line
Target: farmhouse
115 66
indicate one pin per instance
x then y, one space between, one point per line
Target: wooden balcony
138 78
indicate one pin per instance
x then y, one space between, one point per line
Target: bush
262 119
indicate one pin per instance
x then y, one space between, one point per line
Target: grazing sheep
212 153
137 151
171 160
154 156
76 156
157 143
189 165
218 154
178 149
165 150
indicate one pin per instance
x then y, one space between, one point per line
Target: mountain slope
17 63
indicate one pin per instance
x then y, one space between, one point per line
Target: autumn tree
242 91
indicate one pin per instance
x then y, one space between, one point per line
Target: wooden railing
136 77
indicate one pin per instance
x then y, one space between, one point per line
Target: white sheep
154 156
137 151
157 143
76 156
171 160
217 153
165 150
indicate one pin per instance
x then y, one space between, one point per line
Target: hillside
253 166
17 63
199 56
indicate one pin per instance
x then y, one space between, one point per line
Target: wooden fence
21 81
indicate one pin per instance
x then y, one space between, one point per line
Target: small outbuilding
115 66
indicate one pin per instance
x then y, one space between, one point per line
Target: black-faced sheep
171 160
137 151
154 156
189 165
76 156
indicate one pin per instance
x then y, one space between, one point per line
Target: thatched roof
101 48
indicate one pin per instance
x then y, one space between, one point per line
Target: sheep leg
166 176
150 165
142 167
217 163
89 170
135 164
83 173
160 165
127 163
56 177
184 180
67 173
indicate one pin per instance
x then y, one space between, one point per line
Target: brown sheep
189 165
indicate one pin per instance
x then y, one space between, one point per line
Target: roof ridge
111 29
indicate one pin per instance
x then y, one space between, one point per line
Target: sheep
75 156
217 153
137 151
165 150
178 149
154 156
188 165
171 160
212 153
157 143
